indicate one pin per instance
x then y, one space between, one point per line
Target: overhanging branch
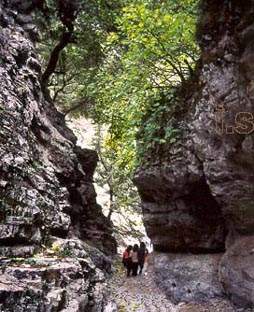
65 38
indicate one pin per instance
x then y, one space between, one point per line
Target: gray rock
237 272
111 307
197 193
189 277
46 181
48 285
46 190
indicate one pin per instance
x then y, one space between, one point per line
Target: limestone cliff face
200 199
46 190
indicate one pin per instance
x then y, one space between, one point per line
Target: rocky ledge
71 276
46 189
198 195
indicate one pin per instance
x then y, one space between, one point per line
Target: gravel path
141 294
138 294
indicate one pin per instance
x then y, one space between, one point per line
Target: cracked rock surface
198 193
46 190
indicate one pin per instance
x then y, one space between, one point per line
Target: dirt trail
138 294
141 294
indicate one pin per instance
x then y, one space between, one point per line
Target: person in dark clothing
127 261
142 255
134 258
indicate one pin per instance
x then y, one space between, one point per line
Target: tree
122 193
121 63
150 55
70 48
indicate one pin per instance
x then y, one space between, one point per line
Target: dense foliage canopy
121 66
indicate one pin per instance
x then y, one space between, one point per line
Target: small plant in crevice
66 252
58 250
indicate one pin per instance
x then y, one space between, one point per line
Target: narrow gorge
197 191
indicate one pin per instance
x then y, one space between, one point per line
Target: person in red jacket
127 261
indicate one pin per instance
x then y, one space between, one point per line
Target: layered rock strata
46 189
198 198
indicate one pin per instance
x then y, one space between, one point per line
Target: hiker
142 256
127 261
134 258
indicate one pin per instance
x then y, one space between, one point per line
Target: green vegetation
120 63
152 52
59 251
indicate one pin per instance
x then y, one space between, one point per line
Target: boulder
237 272
187 277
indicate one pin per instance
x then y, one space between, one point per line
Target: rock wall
46 189
199 198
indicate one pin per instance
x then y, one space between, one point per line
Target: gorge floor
141 294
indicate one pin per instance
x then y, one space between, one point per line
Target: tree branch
65 38
170 62
66 82
67 12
